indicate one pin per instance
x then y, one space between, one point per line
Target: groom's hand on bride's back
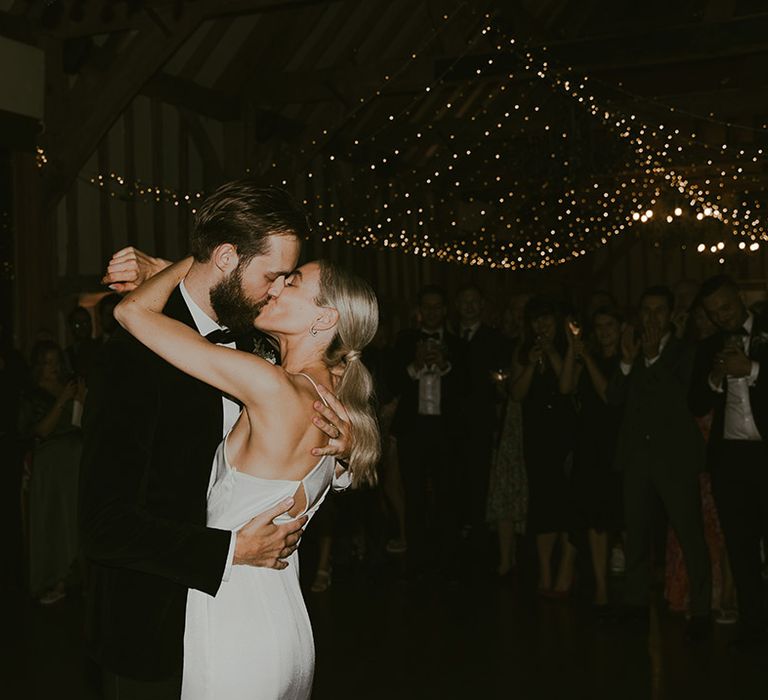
129 268
262 543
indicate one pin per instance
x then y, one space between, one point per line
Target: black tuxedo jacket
703 399
485 352
453 386
150 434
657 426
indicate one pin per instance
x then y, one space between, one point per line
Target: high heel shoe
322 581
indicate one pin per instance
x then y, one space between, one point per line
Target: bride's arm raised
239 374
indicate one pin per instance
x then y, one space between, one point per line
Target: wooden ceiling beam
98 97
191 96
709 43
93 22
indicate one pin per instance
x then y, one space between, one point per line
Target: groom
151 432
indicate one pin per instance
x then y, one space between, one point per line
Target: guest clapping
596 483
547 438
661 449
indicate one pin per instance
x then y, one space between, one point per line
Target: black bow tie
221 336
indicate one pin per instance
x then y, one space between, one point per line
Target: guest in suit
428 377
728 379
661 450
484 355
151 432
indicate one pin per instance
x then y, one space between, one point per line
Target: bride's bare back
274 440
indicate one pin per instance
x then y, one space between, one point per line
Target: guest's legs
413 473
393 487
736 486
598 545
507 545
565 568
545 544
637 510
681 495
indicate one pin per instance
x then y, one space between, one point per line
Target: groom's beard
232 307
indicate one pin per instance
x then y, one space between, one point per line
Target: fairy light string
445 188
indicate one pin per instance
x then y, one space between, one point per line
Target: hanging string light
447 189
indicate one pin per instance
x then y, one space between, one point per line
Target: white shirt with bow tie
739 421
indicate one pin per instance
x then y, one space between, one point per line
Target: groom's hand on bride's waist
262 543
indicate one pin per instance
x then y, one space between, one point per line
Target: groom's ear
225 257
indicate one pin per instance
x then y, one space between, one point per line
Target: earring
313 330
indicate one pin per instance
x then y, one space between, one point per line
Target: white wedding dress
253 640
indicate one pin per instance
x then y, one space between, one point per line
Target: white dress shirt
739 421
429 378
468 332
205 325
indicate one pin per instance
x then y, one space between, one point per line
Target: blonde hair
358 311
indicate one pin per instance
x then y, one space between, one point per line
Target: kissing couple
203 462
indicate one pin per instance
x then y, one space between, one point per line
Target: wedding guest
599 299
378 358
685 292
429 380
81 354
728 381
596 483
13 377
483 350
106 314
507 507
676 589
50 422
661 450
547 440
512 319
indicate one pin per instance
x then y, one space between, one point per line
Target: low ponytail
358 320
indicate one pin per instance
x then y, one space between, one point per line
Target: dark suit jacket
452 385
150 434
657 427
703 399
486 352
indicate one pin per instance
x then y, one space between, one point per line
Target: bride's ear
225 257
327 319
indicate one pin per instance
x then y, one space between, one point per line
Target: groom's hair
246 214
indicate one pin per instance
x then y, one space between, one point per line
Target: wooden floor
379 637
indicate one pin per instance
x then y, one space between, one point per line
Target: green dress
52 491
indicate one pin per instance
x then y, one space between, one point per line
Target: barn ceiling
513 132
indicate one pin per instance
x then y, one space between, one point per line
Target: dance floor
379 637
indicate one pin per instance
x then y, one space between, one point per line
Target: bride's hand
128 268
333 420
262 543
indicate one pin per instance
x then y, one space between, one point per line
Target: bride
253 640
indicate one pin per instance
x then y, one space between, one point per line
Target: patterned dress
508 485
